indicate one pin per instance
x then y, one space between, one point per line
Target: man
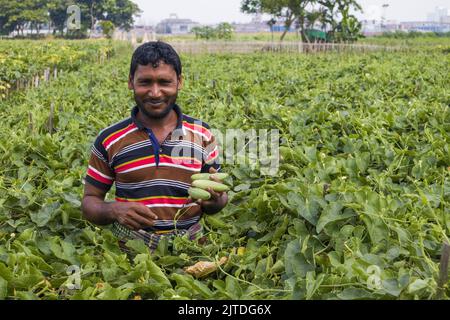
150 157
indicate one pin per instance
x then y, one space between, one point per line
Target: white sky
215 11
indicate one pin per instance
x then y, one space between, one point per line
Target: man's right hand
135 216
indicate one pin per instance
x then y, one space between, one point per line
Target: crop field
21 61
358 209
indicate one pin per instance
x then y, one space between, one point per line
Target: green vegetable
197 193
205 184
208 176
200 176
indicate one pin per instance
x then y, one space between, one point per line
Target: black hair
152 53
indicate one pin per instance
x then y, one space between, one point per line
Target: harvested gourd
203 268
199 194
205 184
209 176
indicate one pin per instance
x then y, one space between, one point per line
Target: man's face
155 89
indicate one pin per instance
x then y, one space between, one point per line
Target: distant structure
375 27
142 30
420 26
437 21
256 25
440 15
175 25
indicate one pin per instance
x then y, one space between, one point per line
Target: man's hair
153 52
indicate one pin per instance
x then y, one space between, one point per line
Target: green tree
344 25
224 31
204 32
333 14
121 13
107 28
285 10
15 16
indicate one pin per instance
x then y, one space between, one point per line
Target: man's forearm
97 211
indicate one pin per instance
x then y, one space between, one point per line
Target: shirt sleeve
99 173
211 155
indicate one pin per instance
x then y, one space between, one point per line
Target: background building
254 26
175 25
440 15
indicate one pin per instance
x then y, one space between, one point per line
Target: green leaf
3 288
313 284
392 287
154 271
295 261
73 199
44 215
354 294
332 213
26 295
138 246
417 285
64 250
110 293
378 231
233 288
202 288
5 272
304 207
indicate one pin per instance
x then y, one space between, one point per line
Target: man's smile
154 103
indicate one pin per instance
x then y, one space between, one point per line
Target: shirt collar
135 111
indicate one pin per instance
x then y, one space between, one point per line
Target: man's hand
135 216
218 200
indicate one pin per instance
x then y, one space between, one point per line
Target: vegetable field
21 62
359 208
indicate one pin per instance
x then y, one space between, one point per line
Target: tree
16 15
224 31
287 10
57 10
333 14
344 26
107 28
205 32
121 13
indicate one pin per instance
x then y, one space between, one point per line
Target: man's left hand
218 200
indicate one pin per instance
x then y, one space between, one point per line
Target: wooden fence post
50 118
30 122
443 270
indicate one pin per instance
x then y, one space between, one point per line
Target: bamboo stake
30 122
443 270
50 119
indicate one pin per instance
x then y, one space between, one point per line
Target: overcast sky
215 11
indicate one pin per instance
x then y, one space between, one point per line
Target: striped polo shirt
156 175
